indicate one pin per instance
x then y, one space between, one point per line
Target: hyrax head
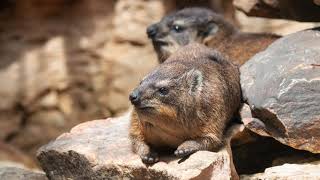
188 25
166 89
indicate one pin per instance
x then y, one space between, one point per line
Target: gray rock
101 149
17 173
282 87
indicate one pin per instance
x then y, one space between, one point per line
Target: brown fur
204 93
240 47
205 27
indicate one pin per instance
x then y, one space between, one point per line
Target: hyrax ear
210 30
194 79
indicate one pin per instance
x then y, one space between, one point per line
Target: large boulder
282 88
101 149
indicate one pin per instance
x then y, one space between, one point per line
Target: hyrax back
185 103
203 26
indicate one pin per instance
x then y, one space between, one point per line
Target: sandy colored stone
67 71
9 153
18 173
135 16
101 149
10 121
275 26
287 172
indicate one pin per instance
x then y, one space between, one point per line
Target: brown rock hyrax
185 103
203 26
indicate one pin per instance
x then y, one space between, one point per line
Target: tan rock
10 122
64 62
10 154
18 173
267 25
135 16
101 149
129 64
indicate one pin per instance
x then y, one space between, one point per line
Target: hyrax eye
163 91
177 28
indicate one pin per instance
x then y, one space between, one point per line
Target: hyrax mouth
144 109
160 42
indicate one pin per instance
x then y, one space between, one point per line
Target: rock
135 16
127 70
10 121
244 136
263 151
288 172
301 157
252 123
307 10
17 173
11 154
80 65
266 152
282 87
275 26
38 72
101 149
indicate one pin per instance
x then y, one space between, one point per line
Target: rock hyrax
185 103
203 26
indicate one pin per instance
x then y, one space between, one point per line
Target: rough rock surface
308 171
9 153
282 87
307 10
64 62
101 149
17 173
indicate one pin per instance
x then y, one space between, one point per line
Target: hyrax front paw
150 158
187 148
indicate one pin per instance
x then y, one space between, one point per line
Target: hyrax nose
152 31
134 98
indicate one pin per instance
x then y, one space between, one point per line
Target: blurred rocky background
63 62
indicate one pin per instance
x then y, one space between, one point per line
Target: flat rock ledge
101 149
309 171
16 172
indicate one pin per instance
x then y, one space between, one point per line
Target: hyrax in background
185 103
203 26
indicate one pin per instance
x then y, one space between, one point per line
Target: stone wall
65 62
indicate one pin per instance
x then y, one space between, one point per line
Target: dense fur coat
203 26
185 103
